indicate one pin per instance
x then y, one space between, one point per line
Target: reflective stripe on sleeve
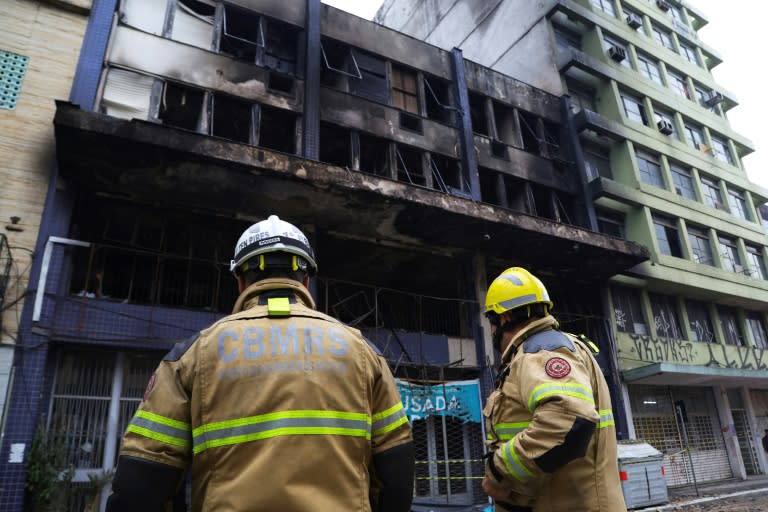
512 462
573 389
279 424
389 420
606 418
507 431
160 428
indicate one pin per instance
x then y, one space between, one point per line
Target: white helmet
270 236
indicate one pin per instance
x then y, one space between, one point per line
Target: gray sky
733 29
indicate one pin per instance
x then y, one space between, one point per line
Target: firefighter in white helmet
550 425
275 407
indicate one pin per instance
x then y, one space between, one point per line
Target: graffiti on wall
647 349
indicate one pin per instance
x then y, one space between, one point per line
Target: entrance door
744 436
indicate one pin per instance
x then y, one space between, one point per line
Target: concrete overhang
668 374
155 164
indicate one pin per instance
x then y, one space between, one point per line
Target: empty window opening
335 145
374 155
518 194
437 99
478 114
405 95
446 173
373 82
529 128
543 202
277 129
506 131
491 187
551 141
181 106
499 150
241 34
410 122
280 83
281 47
232 118
410 168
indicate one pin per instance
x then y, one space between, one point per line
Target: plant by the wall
48 472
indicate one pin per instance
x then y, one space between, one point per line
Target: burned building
417 174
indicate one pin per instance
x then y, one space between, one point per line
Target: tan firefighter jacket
550 426
275 407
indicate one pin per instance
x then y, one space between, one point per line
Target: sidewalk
680 497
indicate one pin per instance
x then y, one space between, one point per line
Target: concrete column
729 432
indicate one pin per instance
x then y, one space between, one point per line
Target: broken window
280 83
241 34
335 145
339 63
372 83
374 155
232 118
405 95
437 100
529 128
551 142
150 256
543 204
478 114
446 174
277 129
281 47
492 187
506 129
518 194
410 168
194 22
181 106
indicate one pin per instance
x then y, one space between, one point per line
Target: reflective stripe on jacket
550 426
275 407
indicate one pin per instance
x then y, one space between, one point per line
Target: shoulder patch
557 367
547 340
180 348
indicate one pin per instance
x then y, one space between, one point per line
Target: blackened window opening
409 166
374 155
241 34
448 173
277 129
181 106
529 129
232 118
437 100
477 113
373 84
281 47
335 144
506 131
280 83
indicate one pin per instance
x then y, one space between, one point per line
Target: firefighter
275 407
550 426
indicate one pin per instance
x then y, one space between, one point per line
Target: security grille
682 424
449 468
85 385
744 436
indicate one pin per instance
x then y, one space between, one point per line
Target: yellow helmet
515 288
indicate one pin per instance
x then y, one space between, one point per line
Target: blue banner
460 399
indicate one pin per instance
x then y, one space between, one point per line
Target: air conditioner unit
634 21
665 127
617 54
663 5
713 98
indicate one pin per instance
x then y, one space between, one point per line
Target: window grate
13 67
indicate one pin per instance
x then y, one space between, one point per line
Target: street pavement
750 495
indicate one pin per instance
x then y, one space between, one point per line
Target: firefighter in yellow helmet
550 425
275 407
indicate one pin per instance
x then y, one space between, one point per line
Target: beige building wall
50 35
